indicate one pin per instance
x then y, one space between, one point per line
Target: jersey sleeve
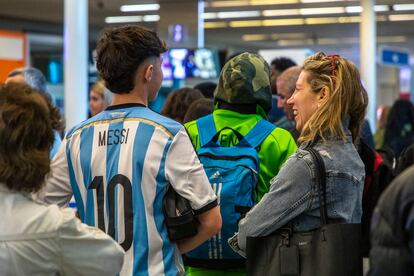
87 250
186 174
57 189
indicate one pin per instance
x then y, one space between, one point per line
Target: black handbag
331 250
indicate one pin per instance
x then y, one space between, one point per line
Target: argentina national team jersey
118 165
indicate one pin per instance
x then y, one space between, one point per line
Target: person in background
392 229
36 239
242 99
279 65
399 131
286 84
382 122
207 88
178 102
120 163
199 108
99 98
35 79
329 106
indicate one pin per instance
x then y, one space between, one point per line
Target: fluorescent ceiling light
238 14
246 23
221 4
209 15
353 9
123 19
321 20
271 2
331 10
283 22
151 18
319 1
255 37
381 8
401 17
241 3
391 39
281 12
295 42
143 7
403 7
358 9
213 25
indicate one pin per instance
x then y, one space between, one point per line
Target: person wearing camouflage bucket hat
245 79
242 99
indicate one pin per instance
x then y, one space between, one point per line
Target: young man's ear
148 71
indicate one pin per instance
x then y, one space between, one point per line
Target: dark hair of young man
120 51
282 63
26 137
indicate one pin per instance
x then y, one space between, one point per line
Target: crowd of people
241 175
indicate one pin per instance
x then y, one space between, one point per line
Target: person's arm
57 189
210 224
289 196
87 250
188 178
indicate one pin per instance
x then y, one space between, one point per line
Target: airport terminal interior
243 82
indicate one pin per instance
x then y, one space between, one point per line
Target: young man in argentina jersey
119 163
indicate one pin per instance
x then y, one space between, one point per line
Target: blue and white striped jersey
118 165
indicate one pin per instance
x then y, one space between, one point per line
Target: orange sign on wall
12 52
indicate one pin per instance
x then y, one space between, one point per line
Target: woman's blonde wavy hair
348 98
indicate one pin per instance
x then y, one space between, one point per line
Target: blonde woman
99 98
329 105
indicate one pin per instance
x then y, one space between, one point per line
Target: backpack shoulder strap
259 132
206 129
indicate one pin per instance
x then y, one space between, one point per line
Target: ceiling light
209 15
123 19
238 14
144 7
330 10
281 12
353 9
381 8
401 17
295 42
151 18
283 22
391 39
241 3
213 25
255 37
349 19
403 7
271 2
319 1
321 20
246 23
221 4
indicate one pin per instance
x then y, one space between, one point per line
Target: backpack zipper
231 158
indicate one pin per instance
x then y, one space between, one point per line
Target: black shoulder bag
331 250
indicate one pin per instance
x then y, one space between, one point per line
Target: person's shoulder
191 128
280 136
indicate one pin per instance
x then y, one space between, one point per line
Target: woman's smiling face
304 101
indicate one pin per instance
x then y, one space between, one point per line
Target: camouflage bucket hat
245 79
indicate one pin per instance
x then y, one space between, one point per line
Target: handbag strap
320 174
